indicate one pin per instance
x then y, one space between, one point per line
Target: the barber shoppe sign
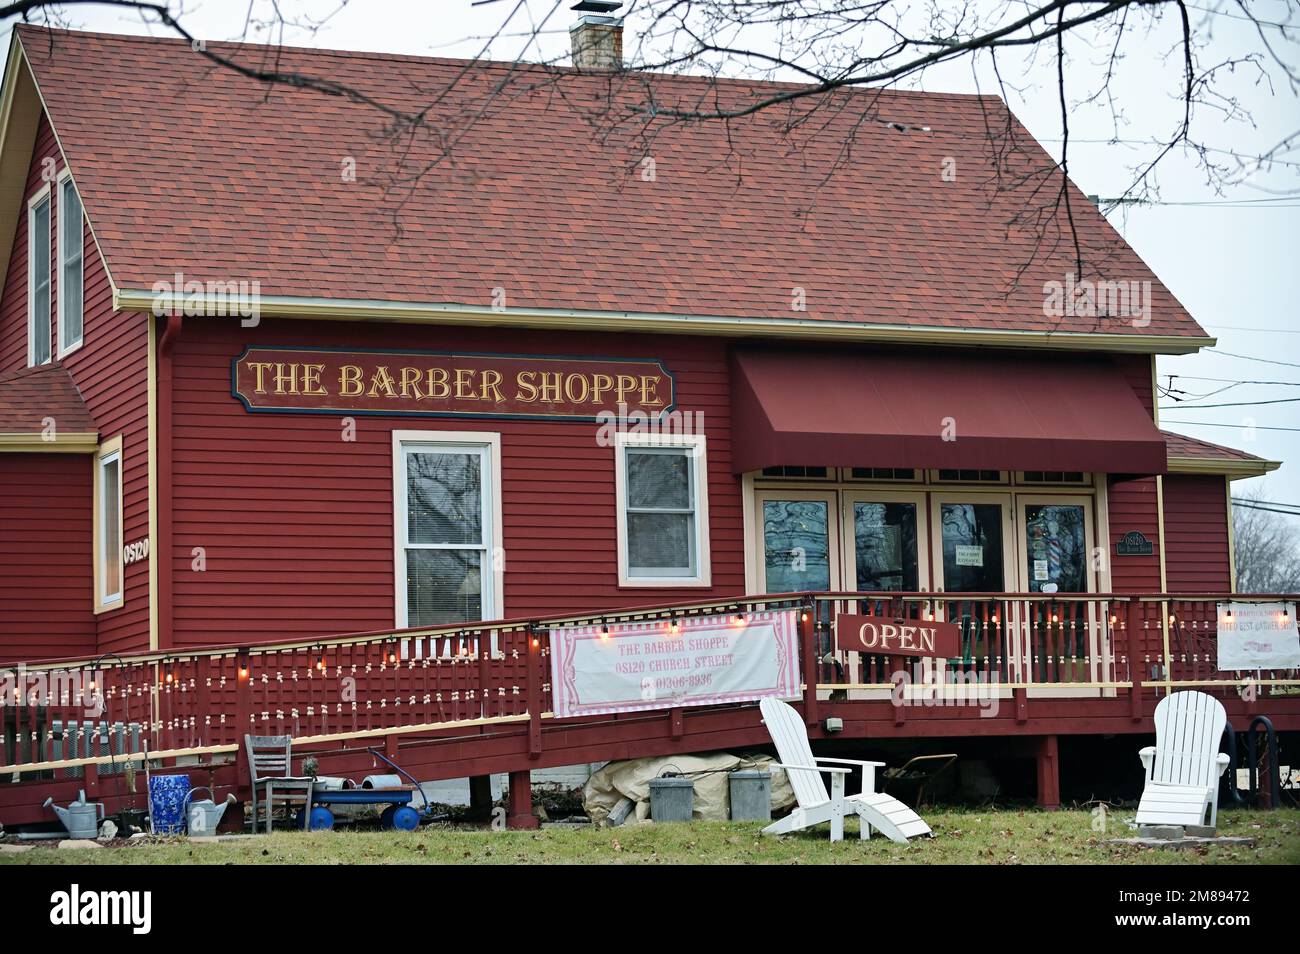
446 384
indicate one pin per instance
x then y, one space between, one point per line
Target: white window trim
697 444
66 177
108 451
494 599
42 195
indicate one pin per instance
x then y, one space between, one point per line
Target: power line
1175 407
1278 331
1240 427
1266 505
1234 381
1250 506
1250 357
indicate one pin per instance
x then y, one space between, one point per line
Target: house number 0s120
135 552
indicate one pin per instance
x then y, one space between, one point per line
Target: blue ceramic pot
167 803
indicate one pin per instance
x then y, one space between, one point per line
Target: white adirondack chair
815 805
1183 767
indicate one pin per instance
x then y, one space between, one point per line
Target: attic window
38 279
71 278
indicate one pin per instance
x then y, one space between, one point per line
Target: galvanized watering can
204 815
81 818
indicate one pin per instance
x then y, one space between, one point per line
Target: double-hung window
38 279
71 279
663 519
109 589
446 488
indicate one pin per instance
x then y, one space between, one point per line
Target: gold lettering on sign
527 390
311 379
447 383
260 368
464 386
490 381
438 387
649 390
350 381
286 382
381 380
411 383
550 387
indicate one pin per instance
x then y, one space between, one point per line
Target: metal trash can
751 795
672 799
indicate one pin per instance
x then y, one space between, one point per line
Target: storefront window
972 547
1055 550
884 542
796 545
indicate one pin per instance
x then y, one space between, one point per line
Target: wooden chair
269 764
874 809
1183 767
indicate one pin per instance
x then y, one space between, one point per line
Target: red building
267 376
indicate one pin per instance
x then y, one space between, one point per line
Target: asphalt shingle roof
185 166
30 396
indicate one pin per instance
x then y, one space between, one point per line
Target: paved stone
14 849
1161 832
79 843
1192 842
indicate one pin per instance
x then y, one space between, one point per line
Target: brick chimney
597 38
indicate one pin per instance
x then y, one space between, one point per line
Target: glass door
1056 543
799 541
973 542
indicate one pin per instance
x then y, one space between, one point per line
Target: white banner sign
630 667
1258 636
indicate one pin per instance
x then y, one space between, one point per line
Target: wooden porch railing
61 718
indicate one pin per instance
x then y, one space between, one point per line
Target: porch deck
473 699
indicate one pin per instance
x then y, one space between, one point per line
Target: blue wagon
399 813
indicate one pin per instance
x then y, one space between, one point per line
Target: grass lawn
961 837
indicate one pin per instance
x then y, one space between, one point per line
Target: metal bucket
672 799
751 795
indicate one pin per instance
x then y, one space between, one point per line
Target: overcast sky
1235 268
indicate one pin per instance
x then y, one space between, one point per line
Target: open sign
883 636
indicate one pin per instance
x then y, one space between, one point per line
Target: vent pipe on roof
597 38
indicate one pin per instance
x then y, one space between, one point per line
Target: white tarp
631 779
1258 636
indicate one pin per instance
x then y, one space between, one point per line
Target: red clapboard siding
296 524
111 371
45 571
1196 534
1137 371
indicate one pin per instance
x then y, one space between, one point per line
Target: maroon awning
1025 411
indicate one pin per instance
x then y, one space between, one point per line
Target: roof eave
1222 467
342 309
34 443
